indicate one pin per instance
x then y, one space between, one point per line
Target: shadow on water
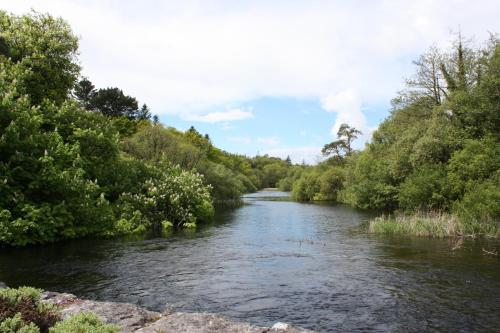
273 259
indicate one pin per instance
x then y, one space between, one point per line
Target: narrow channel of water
276 260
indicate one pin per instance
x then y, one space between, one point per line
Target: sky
264 77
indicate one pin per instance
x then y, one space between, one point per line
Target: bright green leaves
173 194
45 46
62 174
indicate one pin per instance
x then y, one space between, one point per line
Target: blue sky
277 126
274 77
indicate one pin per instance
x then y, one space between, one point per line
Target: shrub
477 161
479 209
330 183
424 189
83 323
174 194
17 325
306 187
23 305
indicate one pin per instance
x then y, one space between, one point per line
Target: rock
131 318
280 326
209 323
127 316
197 323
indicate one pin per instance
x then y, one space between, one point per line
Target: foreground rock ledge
131 318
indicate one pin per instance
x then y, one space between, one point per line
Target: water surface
277 260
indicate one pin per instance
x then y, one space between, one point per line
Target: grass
433 224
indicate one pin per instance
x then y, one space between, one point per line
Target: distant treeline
77 161
438 151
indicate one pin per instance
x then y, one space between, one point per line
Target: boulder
131 318
127 316
209 323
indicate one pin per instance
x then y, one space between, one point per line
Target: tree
343 146
427 79
112 102
462 68
84 93
63 174
44 46
144 113
156 120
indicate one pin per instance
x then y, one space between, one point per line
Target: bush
330 184
369 183
306 187
424 189
17 325
479 209
173 194
477 161
22 310
83 323
225 185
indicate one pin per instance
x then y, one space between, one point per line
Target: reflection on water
274 259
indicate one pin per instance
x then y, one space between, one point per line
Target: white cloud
222 116
240 139
268 141
347 105
185 57
265 141
226 126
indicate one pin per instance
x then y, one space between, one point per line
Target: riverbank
128 317
438 225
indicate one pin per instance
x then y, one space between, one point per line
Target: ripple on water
276 260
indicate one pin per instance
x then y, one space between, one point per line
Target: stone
198 323
210 323
131 318
280 326
127 316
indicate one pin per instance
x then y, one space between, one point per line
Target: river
311 265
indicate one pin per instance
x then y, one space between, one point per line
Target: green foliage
228 175
154 142
17 325
22 311
369 183
83 323
293 174
63 172
272 173
331 182
112 102
226 185
306 187
424 225
477 161
15 295
45 47
343 145
437 151
479 209
173 194
424 189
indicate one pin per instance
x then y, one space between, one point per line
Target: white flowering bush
172 197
